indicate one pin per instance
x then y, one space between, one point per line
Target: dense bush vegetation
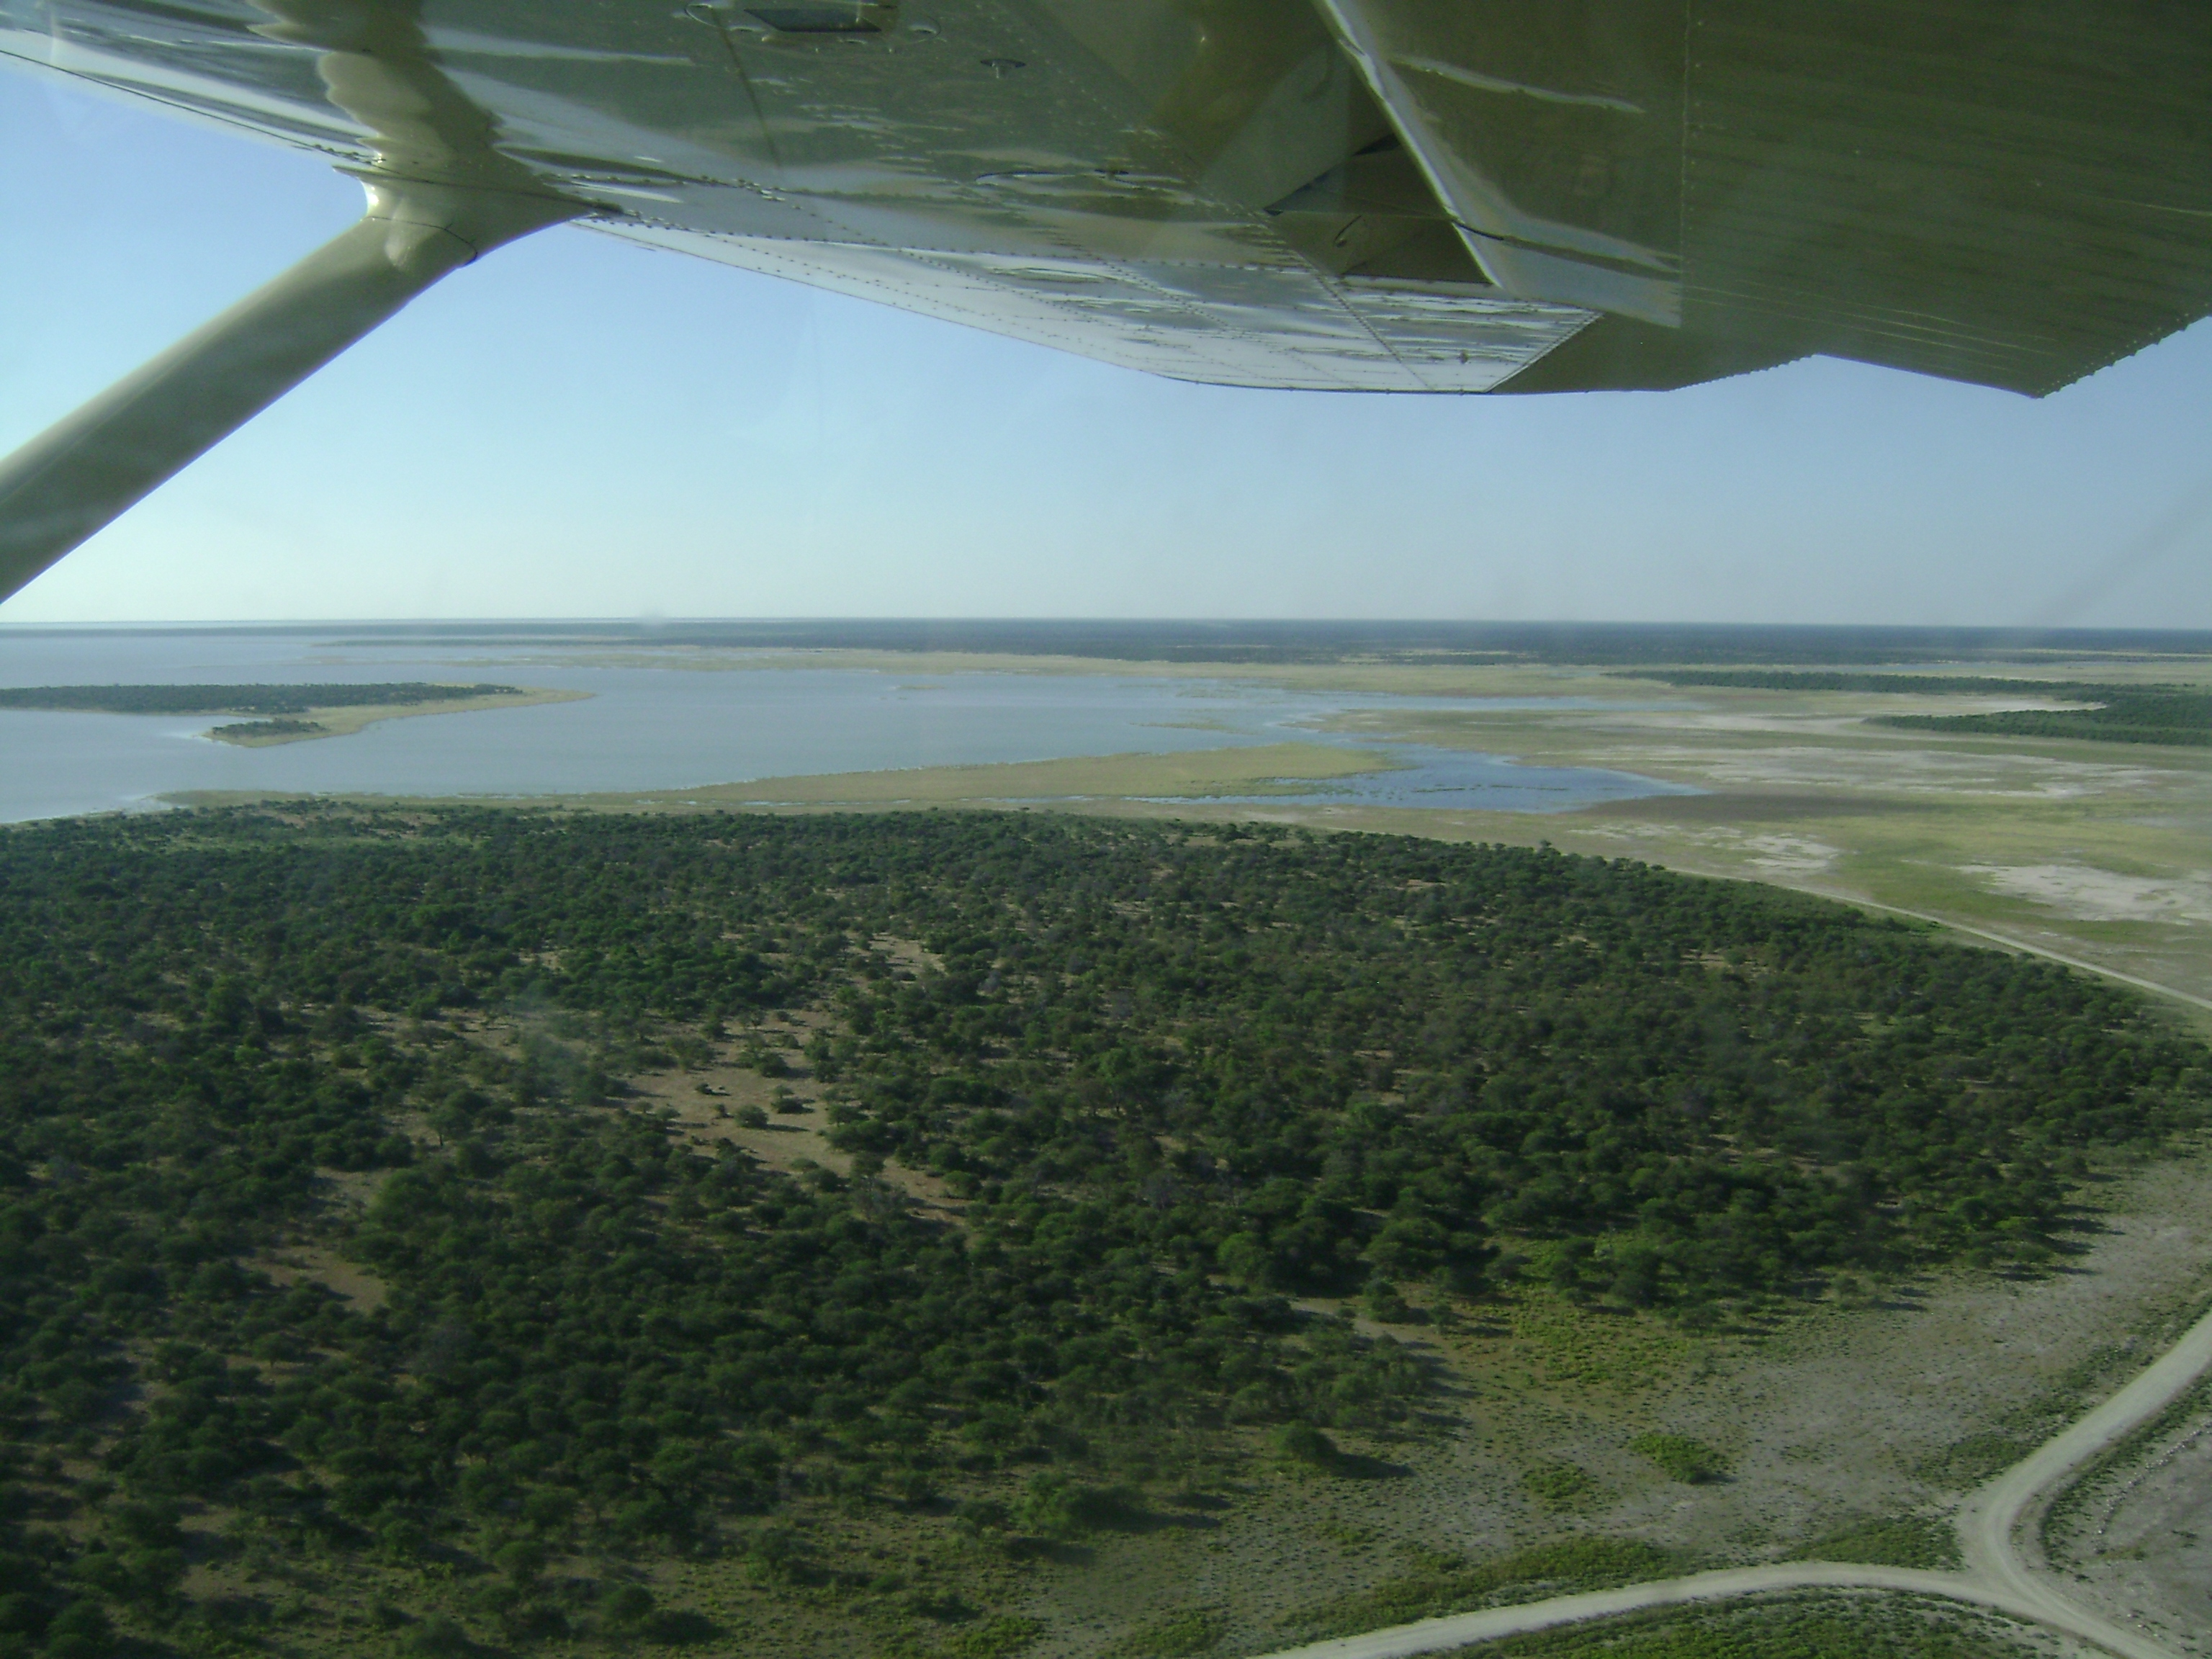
1174 1075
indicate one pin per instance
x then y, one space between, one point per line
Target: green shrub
1382 1303
1560 1568
1301 1443
1054 1506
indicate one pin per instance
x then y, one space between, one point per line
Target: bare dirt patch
906 953
1747 807
1900 770
2092 895
351 1190
311 1264
706 1102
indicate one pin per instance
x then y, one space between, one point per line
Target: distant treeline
1410 643
1836 679
1176 1077
2128 714
2121 714
282 726
236 698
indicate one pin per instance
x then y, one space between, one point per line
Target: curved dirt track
1996 1576
1432 1635
1990 1523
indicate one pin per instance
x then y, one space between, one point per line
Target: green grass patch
1561 1486
1181 1636
1970 1461
1799 1627
1555 1569
1574 1343
994 1638
1682 1458
1894 1540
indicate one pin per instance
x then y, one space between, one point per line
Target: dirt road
1997 1575
2007 941
1433 1635
1990 1523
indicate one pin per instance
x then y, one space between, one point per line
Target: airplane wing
1341 195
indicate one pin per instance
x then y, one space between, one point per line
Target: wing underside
1370 195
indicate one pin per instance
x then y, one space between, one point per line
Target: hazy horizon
811 631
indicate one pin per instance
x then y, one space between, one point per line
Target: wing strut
87 468
441 193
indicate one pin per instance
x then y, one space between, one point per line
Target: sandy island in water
313 723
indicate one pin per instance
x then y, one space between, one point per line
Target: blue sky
575 426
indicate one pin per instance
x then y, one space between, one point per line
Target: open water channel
656 728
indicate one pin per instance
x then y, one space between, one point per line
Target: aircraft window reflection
869 942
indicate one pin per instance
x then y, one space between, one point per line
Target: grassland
1103 782
2090 851
1275 768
